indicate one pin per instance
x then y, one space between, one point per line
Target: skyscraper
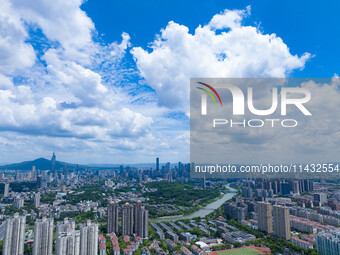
321 197
65 172
68 243
15 235
281 222
89 238
328 243
33 173
241 213
265 223
285 189
37 200
43 237
141 220
167 167
19 202
296 187
157 165
180 169
63 226
53 160
112 218
38 180
6 190
127 219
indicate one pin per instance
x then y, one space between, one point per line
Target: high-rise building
53 160
6 190
180 169
38 180
320 197
264 212
285 189
66 172
15 235
281 222
19 176
141 220
68 243
112 218
19 202
43 184
43 237
241 213
29 176
230 210
157 165
127 219
275 187
328 243
136 207
296 187
310 185
63 226
167 167
89 238
33 173
247 192
37 200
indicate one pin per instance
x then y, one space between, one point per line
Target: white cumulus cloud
223 48
61 93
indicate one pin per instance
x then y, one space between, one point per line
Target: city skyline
126 210
53 161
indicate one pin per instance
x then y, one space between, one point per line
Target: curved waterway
203 211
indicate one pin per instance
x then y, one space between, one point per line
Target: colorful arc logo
209 93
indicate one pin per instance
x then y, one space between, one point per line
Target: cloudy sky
107 81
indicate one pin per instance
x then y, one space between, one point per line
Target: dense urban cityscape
159 210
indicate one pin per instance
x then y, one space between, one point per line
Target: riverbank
203 211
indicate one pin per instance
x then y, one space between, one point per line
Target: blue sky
305 26
108 81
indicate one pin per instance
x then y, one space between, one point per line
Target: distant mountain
40 163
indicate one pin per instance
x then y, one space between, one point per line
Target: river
203 211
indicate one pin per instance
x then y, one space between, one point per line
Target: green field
244 251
